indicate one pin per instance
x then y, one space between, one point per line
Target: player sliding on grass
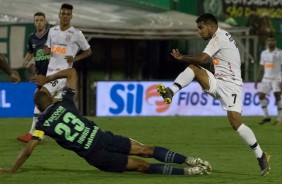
102 149
225 84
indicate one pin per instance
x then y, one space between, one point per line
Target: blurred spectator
228 19
253 22
265 29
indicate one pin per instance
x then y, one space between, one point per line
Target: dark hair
39 14
67 6
41 98
271 36
207 17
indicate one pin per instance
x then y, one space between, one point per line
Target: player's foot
276 122
197 170
265 120
25 138
196 162
166 93
264 163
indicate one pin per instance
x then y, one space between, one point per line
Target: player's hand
176 54
15 76
40 79
4 171
25 64
46 50
70 59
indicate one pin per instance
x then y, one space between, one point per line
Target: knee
143 166
261 96
146 151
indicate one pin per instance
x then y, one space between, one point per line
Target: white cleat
197 170
196 162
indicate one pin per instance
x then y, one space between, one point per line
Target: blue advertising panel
16 100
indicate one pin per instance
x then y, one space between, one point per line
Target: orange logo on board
161 106
58 50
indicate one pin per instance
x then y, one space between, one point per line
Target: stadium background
133 59
129 45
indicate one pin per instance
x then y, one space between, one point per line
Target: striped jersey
272 64
35 46
64 43
226 57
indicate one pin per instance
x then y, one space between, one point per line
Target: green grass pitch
210 138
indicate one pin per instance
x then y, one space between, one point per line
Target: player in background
4 66
102 149
63 43
35 44
225 84
270 72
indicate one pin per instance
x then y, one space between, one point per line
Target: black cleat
166 93
265 120
264 163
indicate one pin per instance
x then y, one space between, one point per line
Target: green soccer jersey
63 122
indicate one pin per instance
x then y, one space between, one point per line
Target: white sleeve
48 41
261 62
82 42
213 47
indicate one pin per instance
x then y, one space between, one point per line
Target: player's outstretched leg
168 156
170 170
166 93
264 163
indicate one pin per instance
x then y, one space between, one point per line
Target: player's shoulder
31 35
265 52
54 28
74 30
222 33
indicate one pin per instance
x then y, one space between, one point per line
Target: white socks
249 137
184 79
34 120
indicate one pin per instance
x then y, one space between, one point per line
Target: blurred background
131 42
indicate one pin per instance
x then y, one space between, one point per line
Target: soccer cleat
196 162
265 120
276 122
25 138
166 93
197 170
264 163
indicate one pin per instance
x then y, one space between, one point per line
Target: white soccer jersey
64 43
226 57
272 65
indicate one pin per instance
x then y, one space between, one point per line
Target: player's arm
82 55
191 59
14 75
27 59
25 152
69 74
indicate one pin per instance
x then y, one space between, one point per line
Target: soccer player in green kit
102 149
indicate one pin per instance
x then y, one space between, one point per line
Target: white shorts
266 87
56 87
229 94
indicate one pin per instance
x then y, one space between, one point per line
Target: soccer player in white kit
270 68
63 43
225 84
